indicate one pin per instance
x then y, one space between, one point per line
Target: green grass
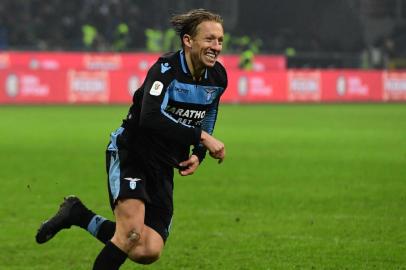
302 187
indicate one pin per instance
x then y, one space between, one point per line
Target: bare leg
140 242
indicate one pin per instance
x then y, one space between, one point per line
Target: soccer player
168 126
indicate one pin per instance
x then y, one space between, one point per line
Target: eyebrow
211 36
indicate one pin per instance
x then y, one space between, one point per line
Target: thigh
129 214
132 178
126 177
159 210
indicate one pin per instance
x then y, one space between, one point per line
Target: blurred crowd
61 25
289 27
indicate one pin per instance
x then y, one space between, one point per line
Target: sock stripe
94 224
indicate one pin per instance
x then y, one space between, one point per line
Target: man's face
207 44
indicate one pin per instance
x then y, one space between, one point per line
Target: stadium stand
333 33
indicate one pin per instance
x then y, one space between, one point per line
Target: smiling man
169 125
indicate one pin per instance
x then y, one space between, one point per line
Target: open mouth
211 55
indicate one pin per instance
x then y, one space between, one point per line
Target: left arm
199 151
209 121
208 124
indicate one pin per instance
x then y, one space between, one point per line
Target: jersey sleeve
153 115
208 124
209 120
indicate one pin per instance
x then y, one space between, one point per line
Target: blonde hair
187 23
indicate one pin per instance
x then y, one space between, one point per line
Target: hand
220 155
190 165
215 147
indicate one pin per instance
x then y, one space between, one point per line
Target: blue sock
101 228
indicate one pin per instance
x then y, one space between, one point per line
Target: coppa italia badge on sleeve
156 88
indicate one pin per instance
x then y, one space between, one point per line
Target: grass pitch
302 187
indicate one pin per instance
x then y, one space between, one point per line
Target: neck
195 70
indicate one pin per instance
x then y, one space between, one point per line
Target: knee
129 240
133 236
132 239
144 255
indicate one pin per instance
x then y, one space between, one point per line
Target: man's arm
216 148
207 142
208 124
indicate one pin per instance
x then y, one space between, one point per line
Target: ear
187 40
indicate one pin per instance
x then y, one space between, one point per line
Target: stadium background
316 168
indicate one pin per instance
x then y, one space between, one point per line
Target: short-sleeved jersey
170 110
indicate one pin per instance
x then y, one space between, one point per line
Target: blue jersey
170 109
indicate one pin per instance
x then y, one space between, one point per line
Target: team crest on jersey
156 88
209 93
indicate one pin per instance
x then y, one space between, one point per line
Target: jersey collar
185 68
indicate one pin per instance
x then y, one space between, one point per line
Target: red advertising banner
75 60
351 85
4 60
304 85
394 86
115 61
88 86
257 87
124 84
25 86
49 78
